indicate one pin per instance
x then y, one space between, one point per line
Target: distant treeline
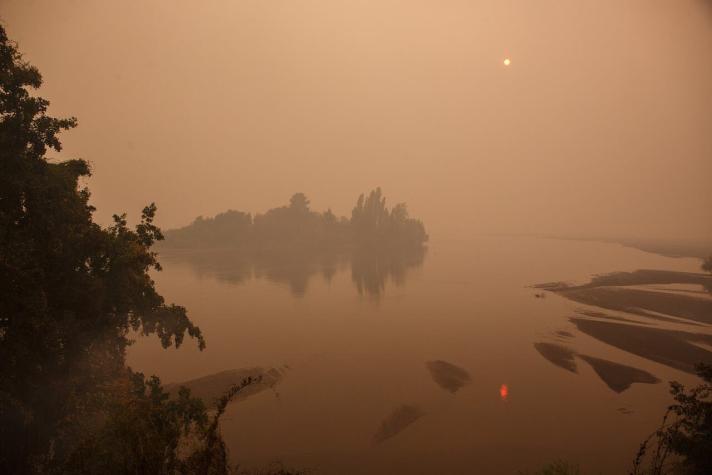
296 227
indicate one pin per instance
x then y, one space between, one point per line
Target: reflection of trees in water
371 268
290 244
296 269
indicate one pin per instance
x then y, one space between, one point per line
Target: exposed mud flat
211 387
396 422
618 377
664 325
638 277
614 318
621 291
559 355
669 347
448 376
645 303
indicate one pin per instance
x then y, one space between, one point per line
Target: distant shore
669 247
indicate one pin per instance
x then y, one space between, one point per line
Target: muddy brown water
358 367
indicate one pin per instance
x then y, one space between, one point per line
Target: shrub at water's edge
71 293
707 264
707 267
683 443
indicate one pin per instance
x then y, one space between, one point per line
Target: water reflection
504 392
462 317
371 268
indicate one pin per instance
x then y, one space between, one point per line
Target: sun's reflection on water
504 392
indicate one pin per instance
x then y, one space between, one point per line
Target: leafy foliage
707 265
148 432
683 443
70 290
374 224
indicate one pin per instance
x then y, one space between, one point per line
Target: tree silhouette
291 243
70 293
707 267
683 443
374 224
299 203
296 228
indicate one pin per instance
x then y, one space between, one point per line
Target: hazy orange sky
602 124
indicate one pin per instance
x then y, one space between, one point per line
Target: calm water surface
356 357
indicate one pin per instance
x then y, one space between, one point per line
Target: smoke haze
600 126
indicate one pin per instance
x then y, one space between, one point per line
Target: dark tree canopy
683 443
374 224
296 227
292 242
707 264
70 290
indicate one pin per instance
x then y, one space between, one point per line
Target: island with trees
296 227
291 243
